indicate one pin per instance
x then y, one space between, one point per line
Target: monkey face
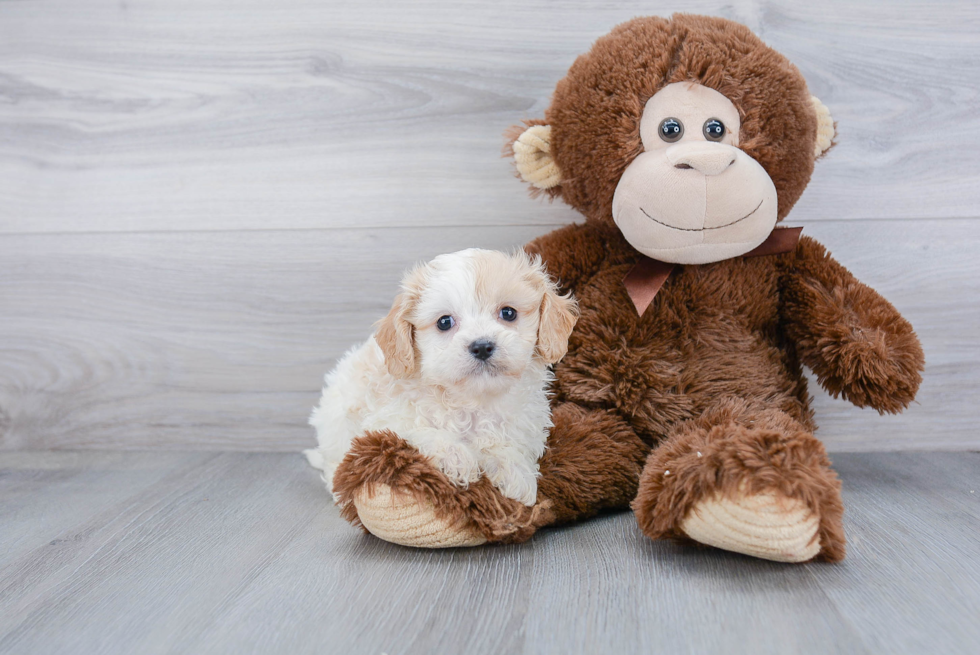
695 154
693 196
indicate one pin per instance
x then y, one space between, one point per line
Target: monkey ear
826 128
532 154
396 337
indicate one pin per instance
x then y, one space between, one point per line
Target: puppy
459 368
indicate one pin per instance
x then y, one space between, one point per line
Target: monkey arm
571 254
854 340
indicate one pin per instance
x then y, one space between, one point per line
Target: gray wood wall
203 203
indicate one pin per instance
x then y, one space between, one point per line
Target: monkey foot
765 525
391 490
744 478
401 519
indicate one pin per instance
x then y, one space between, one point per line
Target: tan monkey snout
706 158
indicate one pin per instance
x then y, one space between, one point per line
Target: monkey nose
706 158
482 349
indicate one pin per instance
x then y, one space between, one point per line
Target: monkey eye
714 129
671 130
508 314
445 323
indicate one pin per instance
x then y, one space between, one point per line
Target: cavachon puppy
459 368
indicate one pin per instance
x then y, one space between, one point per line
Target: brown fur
855 342
594 465
715 363
711 365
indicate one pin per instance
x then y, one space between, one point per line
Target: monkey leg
593 462
394 492
745 478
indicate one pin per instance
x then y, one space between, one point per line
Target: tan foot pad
402 520
766 525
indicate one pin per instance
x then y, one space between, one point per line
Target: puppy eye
714 129
671 130
508 314
445 323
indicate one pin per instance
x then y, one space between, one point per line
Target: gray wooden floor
242 553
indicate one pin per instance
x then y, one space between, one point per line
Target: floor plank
71 486
242 553
190 545
914 523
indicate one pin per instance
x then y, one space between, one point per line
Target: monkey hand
855 341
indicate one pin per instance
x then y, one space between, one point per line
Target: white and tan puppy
459 369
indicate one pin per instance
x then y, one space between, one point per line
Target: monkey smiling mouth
715 227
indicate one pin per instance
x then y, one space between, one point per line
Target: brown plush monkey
683 142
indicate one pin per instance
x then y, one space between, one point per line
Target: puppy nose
482 349
706 158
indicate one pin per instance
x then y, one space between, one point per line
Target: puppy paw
513 480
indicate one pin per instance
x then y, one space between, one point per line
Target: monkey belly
712 332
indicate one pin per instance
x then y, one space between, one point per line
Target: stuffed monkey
683 142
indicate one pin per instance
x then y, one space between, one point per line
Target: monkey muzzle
695 203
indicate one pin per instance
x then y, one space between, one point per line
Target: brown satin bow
648 275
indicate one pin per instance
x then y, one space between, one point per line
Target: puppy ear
396 339
395 334
558 317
